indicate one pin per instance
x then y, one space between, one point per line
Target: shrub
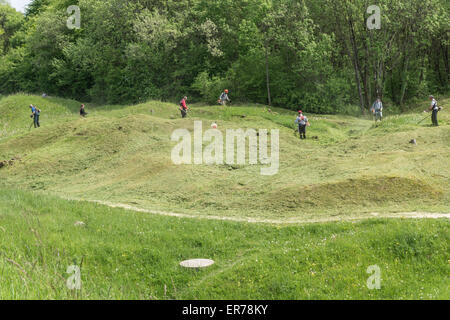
210 88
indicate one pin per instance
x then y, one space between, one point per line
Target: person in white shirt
377 110
302 122
434 108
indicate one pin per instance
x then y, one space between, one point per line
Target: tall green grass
128 255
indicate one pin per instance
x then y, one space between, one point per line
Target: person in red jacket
183 107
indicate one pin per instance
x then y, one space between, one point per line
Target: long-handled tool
186 111
32 122
423 120
296 130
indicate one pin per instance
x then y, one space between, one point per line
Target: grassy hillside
121 154
129 255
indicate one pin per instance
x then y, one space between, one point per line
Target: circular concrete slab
196 263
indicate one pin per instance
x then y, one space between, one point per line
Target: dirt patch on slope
6 163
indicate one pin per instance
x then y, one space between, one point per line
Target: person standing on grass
377 110
35 113
302 123
224 98
300 113
434 109
83 112
183 107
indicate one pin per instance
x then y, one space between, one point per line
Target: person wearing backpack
36 114
183 107
302 123
224 98
434 108
377 110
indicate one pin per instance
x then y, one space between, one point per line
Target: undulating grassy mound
15 108
356 192
121 154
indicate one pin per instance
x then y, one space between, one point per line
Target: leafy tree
36 7
317 54
10 23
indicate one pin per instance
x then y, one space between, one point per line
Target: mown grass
122 154
129 255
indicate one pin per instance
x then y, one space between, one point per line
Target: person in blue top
35 113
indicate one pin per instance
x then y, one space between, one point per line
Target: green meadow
348 169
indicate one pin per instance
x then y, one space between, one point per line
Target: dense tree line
315 53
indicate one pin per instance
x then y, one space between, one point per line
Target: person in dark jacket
83 112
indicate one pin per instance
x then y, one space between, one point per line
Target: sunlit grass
129 255
348 167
